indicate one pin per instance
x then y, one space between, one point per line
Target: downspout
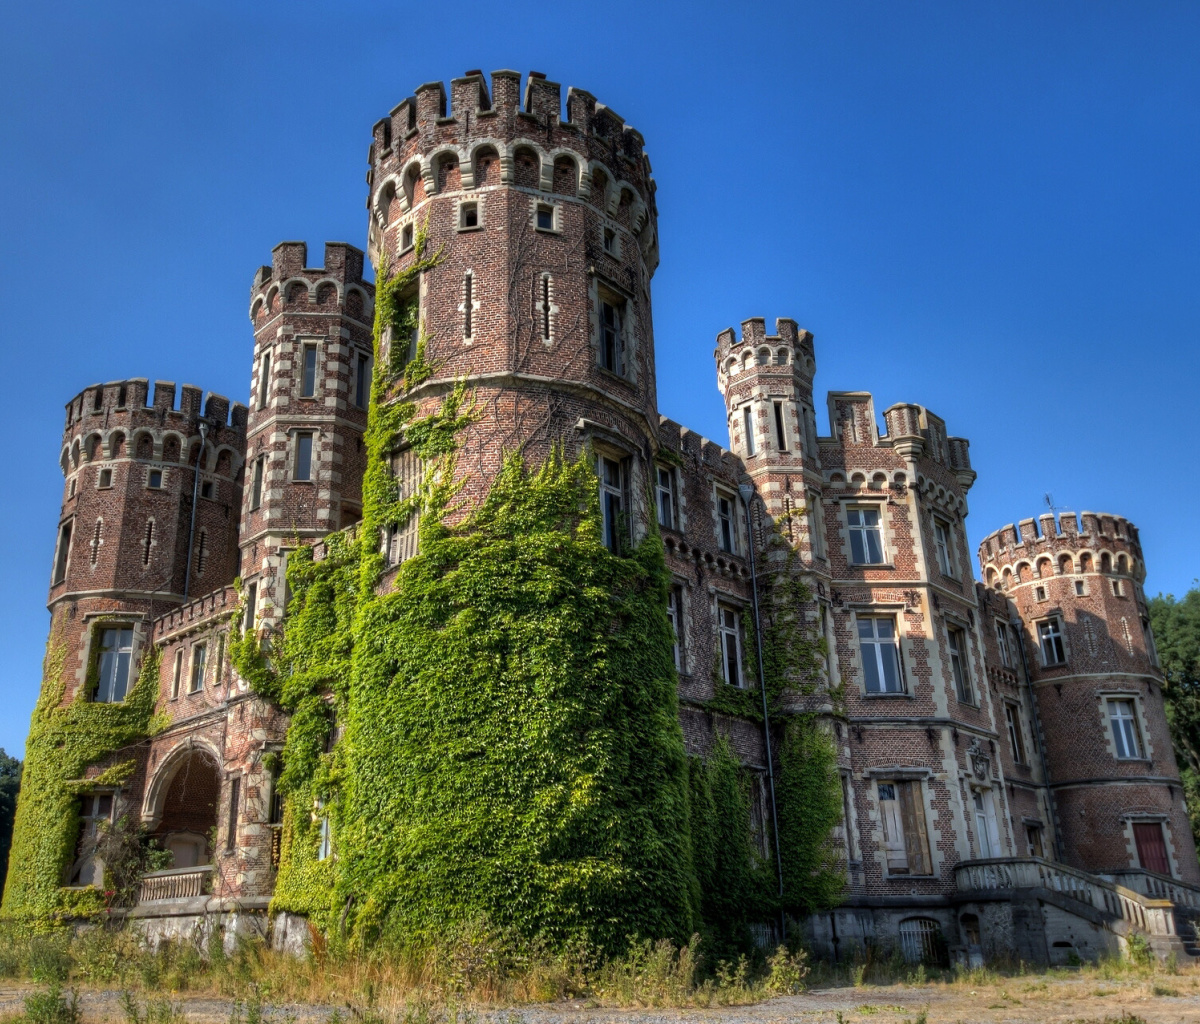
747 492
1041 742
187 578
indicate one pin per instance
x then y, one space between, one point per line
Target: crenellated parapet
1064 545
438 143
289 284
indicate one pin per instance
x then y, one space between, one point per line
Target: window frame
664 491
541 207
727 526
878 643
362 381
909 797
151 476
256 482
308 375
197 666
863 532
944 547
106 684
1049 630
1002 643
264 379
615 529
675 618
958 648
1132 720
1016 732
749 442
611 338
298 439
729 642
467 208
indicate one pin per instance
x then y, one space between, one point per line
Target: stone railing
175 883
1148 914
1158 887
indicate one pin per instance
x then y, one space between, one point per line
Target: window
1002 644
468 306
406 237
1012 717
220 659
957 641
256 485
666 497
941 538
905 836
610 241
401 538
325 842
758 815
1051 642
302 469
880 654
95 808
675 617
98 400
206 489
748 428
545 217
71 489
612 341
1079 588
121 396
468 216
726 523
1039 593
1151 649
780 433
866 541
612 504
1122 714
96 541
116 653
199 657
362 380
1033 839
308 380
235 786
264 380
729 626
920 940
155 480
987 832
816 520
201 552
63 554
1118 588
545 306
105 478
177 674
251 607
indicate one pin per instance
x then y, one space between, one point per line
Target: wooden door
1151 847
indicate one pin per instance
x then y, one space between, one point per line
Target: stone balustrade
175 883
1156 886
1147 913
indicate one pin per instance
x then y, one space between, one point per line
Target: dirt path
1026 1000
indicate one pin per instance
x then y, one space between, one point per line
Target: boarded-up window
905 837
400 541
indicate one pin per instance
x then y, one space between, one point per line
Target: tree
10 786
1176 626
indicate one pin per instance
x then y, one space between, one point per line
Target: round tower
309 392
149 516
547 233
1075 590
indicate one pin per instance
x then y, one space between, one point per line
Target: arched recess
484 166
527 166
195 759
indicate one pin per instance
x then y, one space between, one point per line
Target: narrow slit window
251 607
361 381
201 552
177 674
748 429
96 541
63 554
264 380
545 307
257 485
148 543
308 386
199 659
304 453
780 433
235 786
675 617
468 304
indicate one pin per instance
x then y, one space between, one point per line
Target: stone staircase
1119 903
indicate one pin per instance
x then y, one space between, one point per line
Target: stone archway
181 804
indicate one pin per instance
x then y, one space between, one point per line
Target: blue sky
987 208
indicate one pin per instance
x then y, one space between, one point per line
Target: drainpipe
747 492
1051 804
187 578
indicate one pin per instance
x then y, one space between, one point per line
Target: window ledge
872 565
464 230
890 694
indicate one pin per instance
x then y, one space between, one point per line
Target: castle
1008 781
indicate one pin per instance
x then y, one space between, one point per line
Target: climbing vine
64 740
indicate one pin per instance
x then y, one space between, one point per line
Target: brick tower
1089 653
310 390
547 229
127 525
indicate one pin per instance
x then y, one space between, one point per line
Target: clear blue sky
987 208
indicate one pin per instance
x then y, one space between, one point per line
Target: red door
1151 848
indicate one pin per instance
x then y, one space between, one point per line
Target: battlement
290 283
789 349
131 403
1098 535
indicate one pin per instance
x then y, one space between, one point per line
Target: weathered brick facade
956 740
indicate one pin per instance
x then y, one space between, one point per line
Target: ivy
64 740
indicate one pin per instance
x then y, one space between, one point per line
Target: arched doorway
183 802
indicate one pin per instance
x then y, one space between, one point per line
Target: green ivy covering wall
64 740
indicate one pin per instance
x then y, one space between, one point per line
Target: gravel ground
1027 1000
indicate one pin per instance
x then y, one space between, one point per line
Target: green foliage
64 740
1176 626
53 1006
809 796
10 786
